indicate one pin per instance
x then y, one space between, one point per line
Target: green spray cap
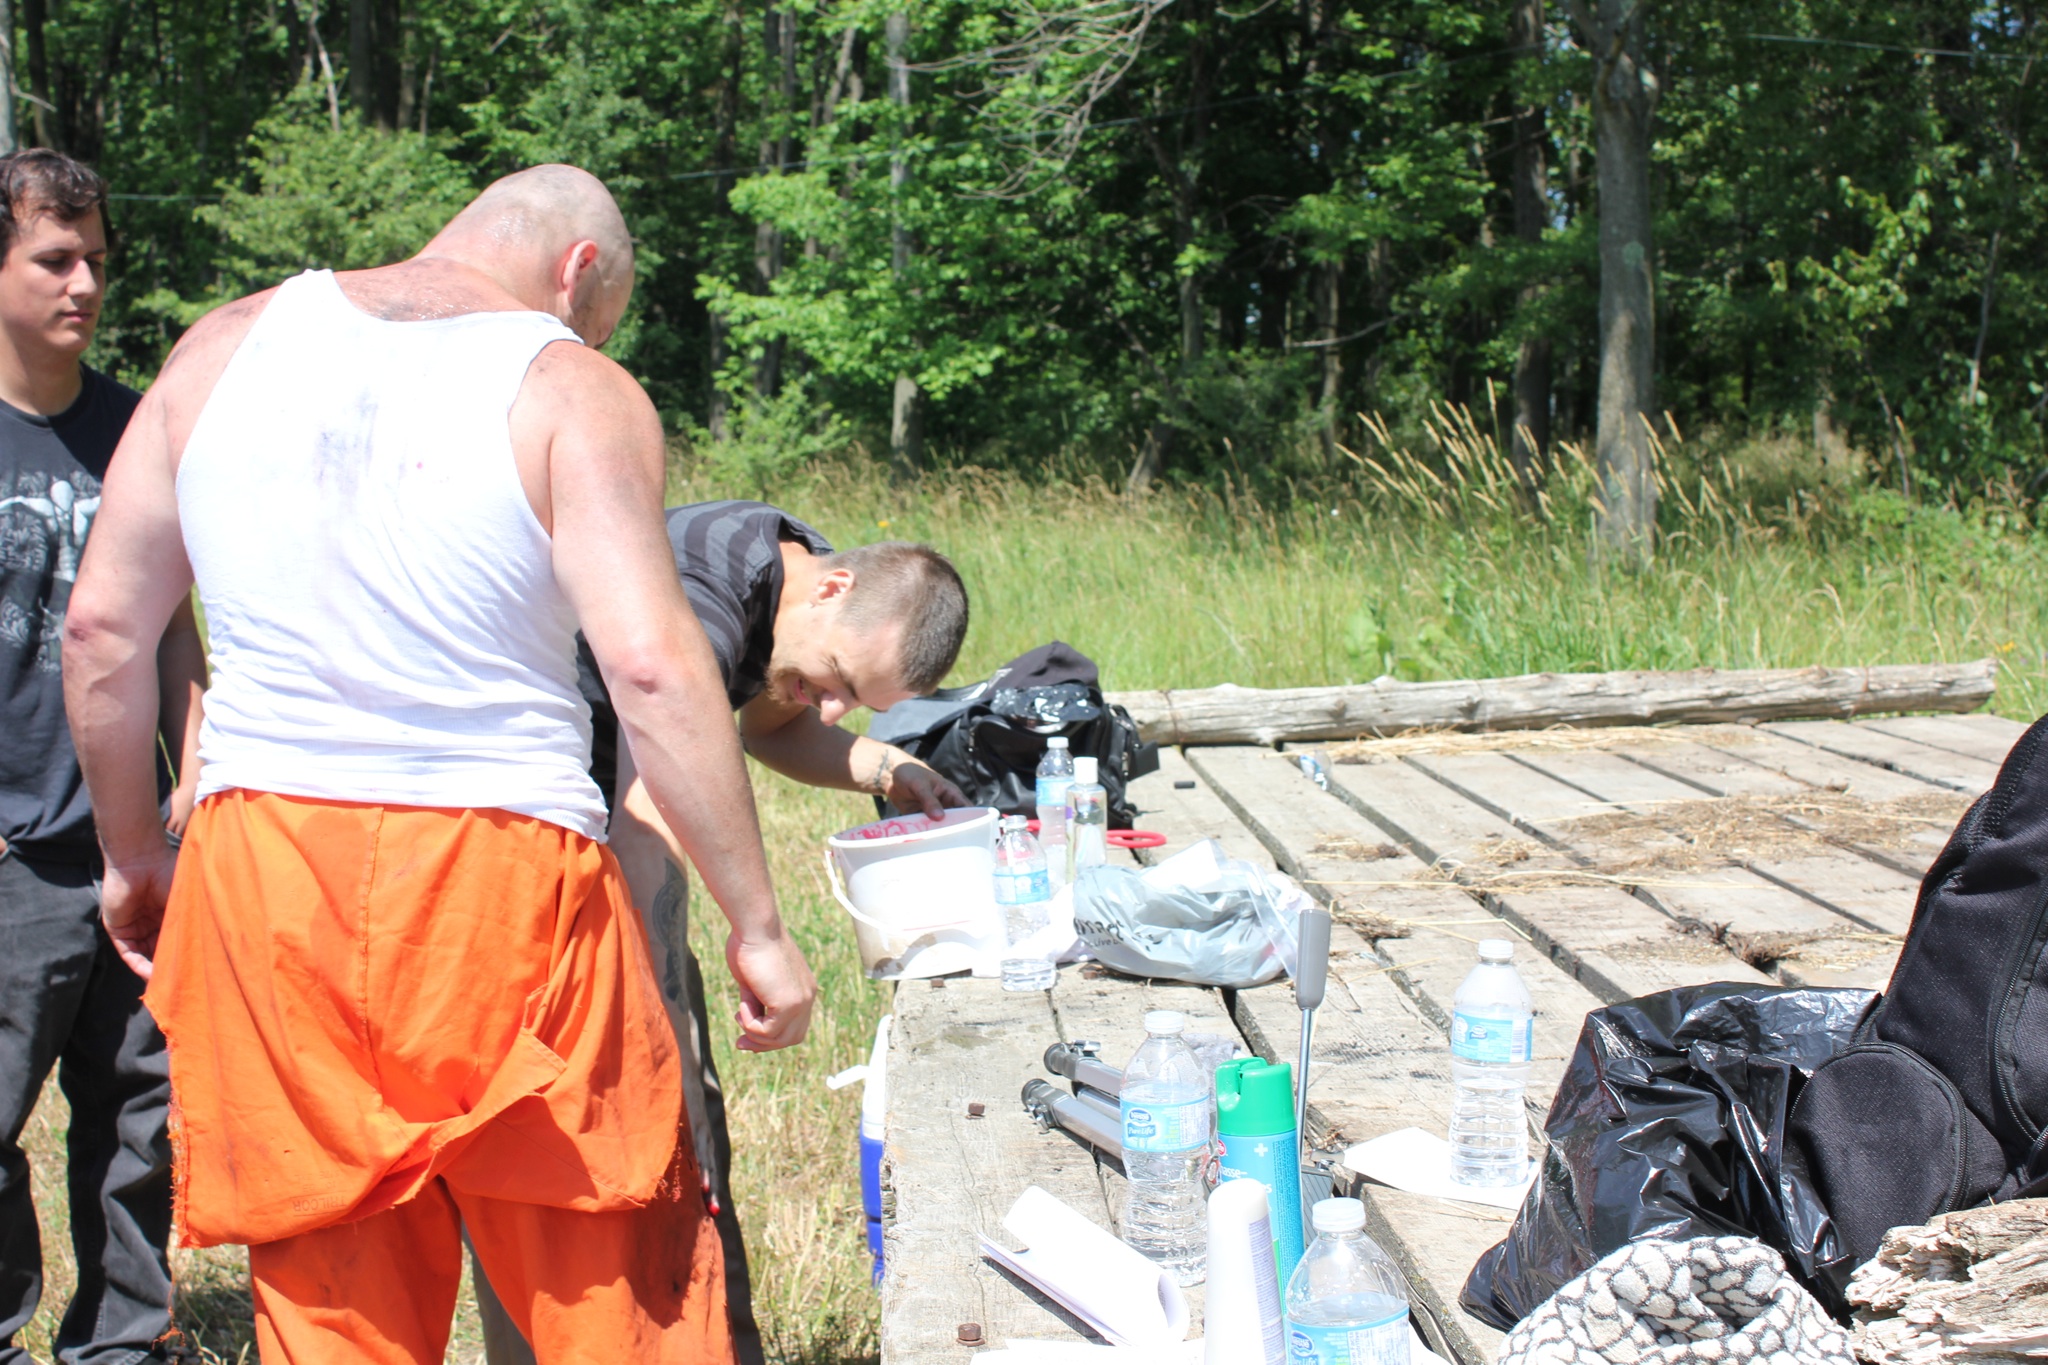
1254 1098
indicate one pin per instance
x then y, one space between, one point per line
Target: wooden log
1242 715
1965 1287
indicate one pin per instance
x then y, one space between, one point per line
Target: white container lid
1056 742
1496 950
1338 1215
1168 1022
1084 770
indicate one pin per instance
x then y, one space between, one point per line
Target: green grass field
1423 565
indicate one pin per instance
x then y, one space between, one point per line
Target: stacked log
1969 1286
1535 701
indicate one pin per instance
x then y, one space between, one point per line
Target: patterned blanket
1673 1303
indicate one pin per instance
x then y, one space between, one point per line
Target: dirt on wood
1558 737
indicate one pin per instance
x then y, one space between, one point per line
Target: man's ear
832 585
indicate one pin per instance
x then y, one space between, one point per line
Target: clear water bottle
1346 1303
1492 1035
1024 891
1165 1105
1055 775
1087 819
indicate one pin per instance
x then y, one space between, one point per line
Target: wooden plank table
1418 854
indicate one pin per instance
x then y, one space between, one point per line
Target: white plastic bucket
921 891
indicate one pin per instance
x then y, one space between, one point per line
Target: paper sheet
1419 1162
1115 1290
1034 1352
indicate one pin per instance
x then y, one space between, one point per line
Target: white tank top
381 607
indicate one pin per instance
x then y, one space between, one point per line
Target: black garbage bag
1670 1123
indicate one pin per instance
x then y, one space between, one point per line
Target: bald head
554 237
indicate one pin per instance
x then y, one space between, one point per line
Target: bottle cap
1056 742
1254 1097
1496 950
1084 770
1165 1021
1338 1215
1012 823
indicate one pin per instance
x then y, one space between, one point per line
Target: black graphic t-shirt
50 472
729 556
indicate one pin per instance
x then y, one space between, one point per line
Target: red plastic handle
1124 838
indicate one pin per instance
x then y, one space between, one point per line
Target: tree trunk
362 84
34 14
779 42
10 139
1329 296
724 141
906 416
1624 103
1529 446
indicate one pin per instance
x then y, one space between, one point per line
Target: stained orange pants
384 1022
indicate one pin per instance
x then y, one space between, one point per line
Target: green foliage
317 196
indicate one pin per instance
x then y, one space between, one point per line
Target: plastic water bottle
1087 819
1346 1304
1165 1108
1024 891
1055 776
1492 1035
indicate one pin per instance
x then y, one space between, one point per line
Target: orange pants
385 1022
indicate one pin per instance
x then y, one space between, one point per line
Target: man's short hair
895 582
39 180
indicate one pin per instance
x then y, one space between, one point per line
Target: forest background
1118 238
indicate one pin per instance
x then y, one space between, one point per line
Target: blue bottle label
1379 1343
1164 1127
1052 791
1273 1160
1491 1038
1023 888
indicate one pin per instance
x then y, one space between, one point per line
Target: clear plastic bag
1198 917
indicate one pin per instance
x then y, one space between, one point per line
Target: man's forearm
697 779
110 697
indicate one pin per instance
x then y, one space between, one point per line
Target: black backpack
987 738
1942 1101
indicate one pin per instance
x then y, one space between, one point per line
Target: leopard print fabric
1674 1303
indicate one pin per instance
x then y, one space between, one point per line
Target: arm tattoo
883 769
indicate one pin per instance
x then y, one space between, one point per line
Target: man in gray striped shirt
804 636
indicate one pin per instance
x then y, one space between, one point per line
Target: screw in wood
970 1334
975 1109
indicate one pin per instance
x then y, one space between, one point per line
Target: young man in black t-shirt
804 636
66 998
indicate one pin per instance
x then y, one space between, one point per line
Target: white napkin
1127 1298
1419 1162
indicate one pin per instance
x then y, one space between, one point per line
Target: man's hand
909 785
132 899
777 991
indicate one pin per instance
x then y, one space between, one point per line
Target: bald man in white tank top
405 989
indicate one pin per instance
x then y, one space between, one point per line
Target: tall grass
1422 559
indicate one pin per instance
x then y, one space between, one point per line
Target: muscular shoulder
574 392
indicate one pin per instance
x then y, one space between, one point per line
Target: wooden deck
1787 852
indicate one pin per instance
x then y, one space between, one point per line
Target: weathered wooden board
1616 944
1837 775
1955 771
1612 943
1242 715
1870 891
1843 952
1299 822
949 1177
1990 744
1189 815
